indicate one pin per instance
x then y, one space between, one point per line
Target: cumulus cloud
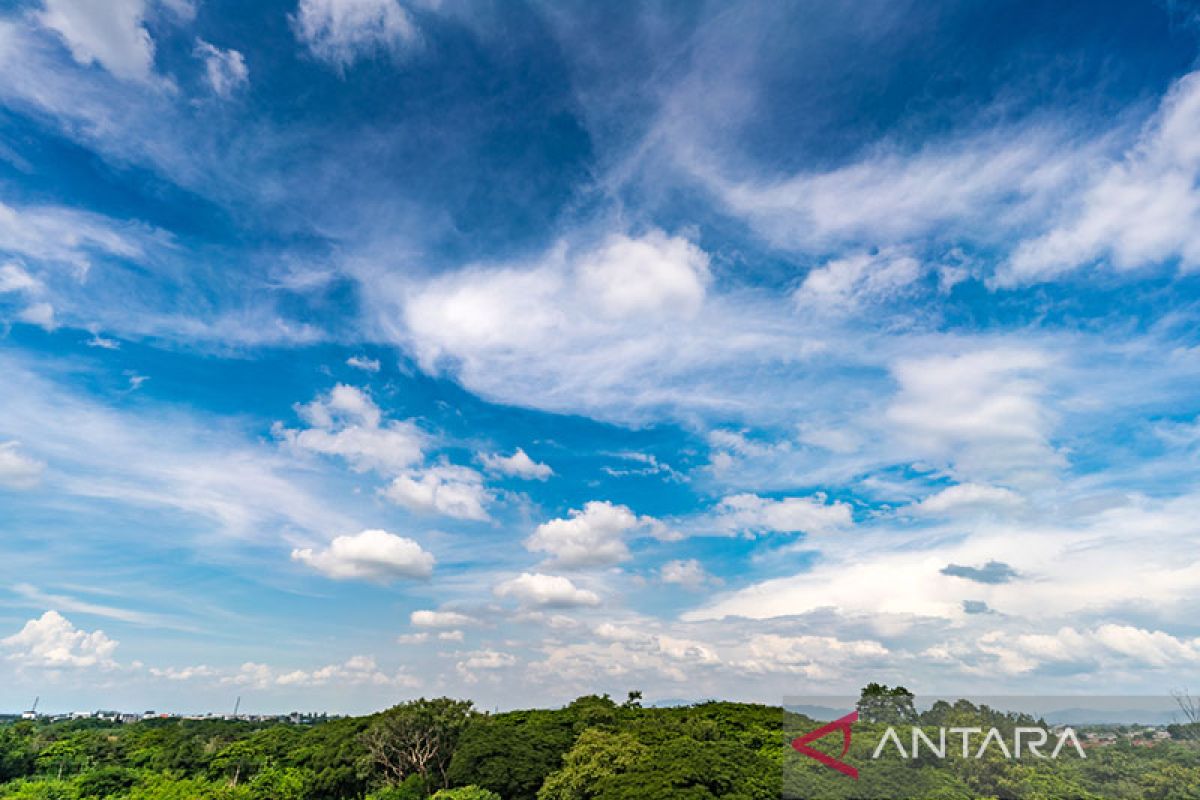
749 513
1133 555
482 311
1110 645
625 650
357 670
552 591
1143 209
591 537
812 656
17 470
439 619
454 491
347 423
342 31
653 274
110 34
184 673
689 573
604 328
518 465
483 660
372 555
225 70
52 642
487 659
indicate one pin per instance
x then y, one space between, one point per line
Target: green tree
418 737
879 703
466 793
511 754
109 780
597 756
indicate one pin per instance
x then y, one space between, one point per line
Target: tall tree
418 737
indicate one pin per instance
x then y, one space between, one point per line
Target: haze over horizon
359 350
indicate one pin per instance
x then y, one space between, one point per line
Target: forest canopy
592 749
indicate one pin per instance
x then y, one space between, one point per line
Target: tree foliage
418 738
591 749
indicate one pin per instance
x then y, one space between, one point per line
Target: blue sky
356 350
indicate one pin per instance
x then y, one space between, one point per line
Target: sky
359 350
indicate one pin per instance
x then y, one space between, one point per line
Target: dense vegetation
593 749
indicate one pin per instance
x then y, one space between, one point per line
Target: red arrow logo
800 744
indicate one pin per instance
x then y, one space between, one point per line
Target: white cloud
654 274
342 31
591 537
109 33
1142 209
17 470
65 235
750 513
546 590
225 70
980 413
372 555
40 314
364 363
202 466
439 619
1136 555
357 670
504 309
344 404
183 10
969 498
184 673
687 573
13 278
623 651
1106 646
251 673
347 423
889 197
412 638
102 342
487 659
841 441
844 283
581 330
812 656
454 491
518 465
51 641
